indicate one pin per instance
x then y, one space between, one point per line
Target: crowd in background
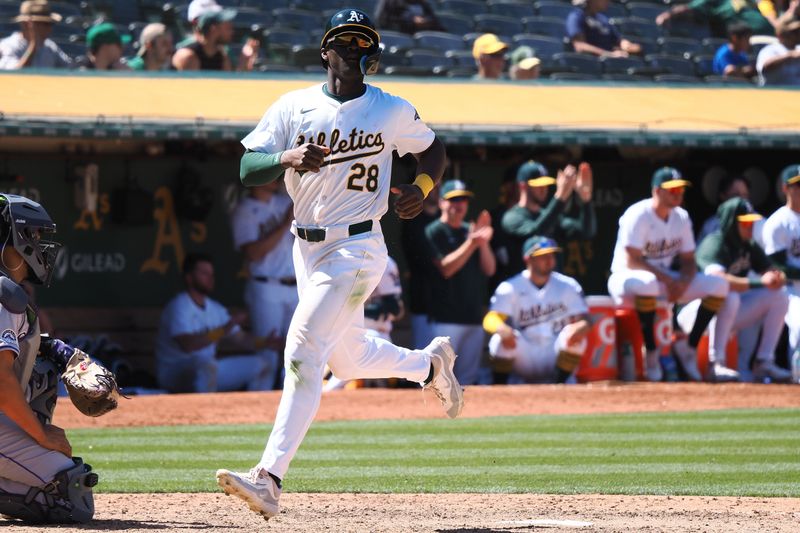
585 40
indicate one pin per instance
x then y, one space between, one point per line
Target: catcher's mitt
92 388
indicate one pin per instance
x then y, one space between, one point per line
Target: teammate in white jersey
781 236
335 142
261 225
652 234
539 318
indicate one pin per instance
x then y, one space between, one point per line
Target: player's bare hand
566 180
585 183
408 201
773 279
507 338
480 235
55 439
306 157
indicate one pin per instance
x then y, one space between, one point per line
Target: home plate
547 523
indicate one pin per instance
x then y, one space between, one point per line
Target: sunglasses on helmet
344 40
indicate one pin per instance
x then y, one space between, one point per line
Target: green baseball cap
105 33
215 17
669 178
534 174
455 189
791 174
538 245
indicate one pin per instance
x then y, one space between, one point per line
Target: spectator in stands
31 47
590 31
779 63
155 49
462 255
420 269
731 186
773 10
105 48
191 326
538 213
731 253
538 318
407 16
524 64
490 56
720 14
212 31
732 58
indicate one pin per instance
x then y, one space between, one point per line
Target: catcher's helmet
355 21
24 223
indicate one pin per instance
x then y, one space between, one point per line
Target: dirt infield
437 512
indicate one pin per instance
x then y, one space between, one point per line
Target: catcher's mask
356 23
24 224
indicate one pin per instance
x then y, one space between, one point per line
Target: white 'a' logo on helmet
355 16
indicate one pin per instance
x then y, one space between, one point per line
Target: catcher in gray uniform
40 481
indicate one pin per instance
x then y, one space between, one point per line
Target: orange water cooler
600 358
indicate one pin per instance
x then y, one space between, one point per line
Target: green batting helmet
351 20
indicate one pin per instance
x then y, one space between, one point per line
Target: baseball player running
539 318
261 225
730 252
335 141
652 233
781 236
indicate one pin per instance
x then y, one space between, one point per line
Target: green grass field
720 453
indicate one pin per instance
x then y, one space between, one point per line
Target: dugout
163 151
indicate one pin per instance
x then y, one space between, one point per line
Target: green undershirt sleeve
258 168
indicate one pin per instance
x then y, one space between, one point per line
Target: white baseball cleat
256 488
768 369
653 366
688 358
444 383
719 373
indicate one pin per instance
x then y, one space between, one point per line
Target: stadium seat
318 6
672 64
684 27
393 59
712 44
428 59
285 37
461 58
620 65
679 46
462 72
572 76
544 47
645 10
629 78
397 41
550 8
649 45
704 65
518 9
455 23
264 5
305 55
635 27
469 39
286 69
498 24
463 7
677 78
65 9
436 40
727 80
580 63
72 49
551 27
616 10
292 18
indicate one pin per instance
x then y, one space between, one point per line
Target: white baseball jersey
253 220
353 184
182 316
539 314
659 240
782 232
389 285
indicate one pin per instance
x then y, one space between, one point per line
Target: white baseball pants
534 362
625 285
334 279
741 310
271 306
